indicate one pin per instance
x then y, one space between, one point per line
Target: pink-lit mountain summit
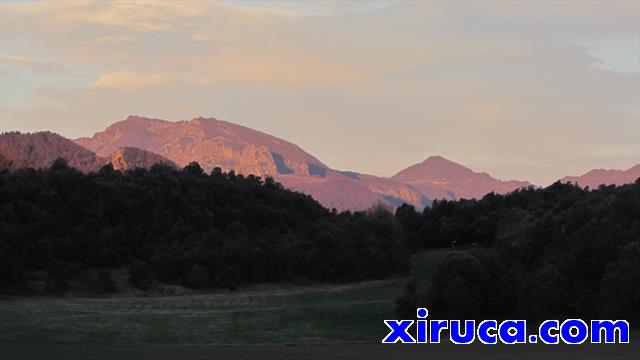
141 142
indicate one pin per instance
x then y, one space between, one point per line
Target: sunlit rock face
139 142
208 141
41 149
215 143
128 158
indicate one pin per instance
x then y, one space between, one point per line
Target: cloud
520 90
141 15
126 80
115 39
308 8
34 65
205 37
279 71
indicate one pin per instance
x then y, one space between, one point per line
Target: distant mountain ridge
597 177
437 177
141 142
41 149
209 141
212 142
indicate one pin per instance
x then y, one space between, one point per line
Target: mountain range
597 177
39 150
141 142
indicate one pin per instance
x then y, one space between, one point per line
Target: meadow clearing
280 322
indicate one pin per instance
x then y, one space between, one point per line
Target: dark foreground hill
554 253
186 227
558 252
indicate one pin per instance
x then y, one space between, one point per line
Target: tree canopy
558 252
218 230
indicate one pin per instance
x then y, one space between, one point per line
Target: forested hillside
557 252
186 227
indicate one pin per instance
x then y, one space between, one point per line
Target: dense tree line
557 252
218 230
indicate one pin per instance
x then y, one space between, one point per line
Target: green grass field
293 315
320 322
340 313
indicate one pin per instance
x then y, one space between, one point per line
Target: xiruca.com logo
570 331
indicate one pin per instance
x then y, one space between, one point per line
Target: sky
523 90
